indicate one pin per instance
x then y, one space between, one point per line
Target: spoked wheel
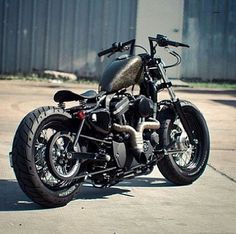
61 162
184 162
54 165
41 160
182 151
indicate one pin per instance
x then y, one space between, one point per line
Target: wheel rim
186 155
62 164
42 138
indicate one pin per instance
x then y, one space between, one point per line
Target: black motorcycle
111 135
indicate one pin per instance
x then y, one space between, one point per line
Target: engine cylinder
120 107
144 106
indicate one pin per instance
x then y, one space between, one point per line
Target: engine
125 132
129 115
128 124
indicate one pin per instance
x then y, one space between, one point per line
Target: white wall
160 17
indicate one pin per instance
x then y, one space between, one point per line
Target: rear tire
30 161
186 166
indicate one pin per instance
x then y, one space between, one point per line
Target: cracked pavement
146 204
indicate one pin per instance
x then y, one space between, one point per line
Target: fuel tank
122 73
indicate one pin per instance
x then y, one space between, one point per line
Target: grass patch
44 78
22 77
91 80
212 85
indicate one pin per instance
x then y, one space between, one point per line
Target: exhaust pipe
137 136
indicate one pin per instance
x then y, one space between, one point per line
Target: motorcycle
113 134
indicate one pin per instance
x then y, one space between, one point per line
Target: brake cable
176 55
141 48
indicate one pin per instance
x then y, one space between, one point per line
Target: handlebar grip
163 41
176 44
115 47
183 45
104 52
172 43
118 47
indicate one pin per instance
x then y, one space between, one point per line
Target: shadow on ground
231 103
146 182
209 91
122 188
12 197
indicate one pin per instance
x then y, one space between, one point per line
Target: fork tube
167 81
177 105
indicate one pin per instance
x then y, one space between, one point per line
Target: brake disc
60 159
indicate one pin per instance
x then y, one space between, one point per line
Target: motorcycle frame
153 86
150 63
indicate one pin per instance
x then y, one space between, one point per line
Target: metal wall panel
210 29
62 34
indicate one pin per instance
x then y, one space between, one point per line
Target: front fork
177 105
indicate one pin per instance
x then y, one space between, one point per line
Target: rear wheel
45 130
184 162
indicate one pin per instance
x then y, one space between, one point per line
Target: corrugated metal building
210 28
67 34
61 34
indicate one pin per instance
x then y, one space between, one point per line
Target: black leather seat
68 96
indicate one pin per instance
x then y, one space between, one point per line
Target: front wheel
184 162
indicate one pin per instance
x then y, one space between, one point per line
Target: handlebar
115 48
163 41
104 52
118 47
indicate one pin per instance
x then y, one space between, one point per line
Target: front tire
30 161
185 162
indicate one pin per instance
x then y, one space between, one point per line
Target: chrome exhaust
137 136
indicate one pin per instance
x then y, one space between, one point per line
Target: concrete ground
147 204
